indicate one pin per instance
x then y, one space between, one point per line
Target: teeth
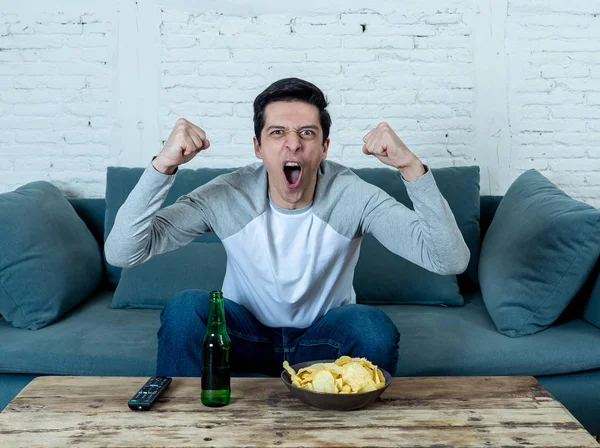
292 164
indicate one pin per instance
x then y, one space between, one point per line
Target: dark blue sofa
94 339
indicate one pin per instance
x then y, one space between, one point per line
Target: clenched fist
184 143
383 143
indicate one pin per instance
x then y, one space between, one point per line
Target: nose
293 141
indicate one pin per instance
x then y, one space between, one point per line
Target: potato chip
323 381
343 360
356 375
344 376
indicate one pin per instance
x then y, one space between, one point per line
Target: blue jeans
353 330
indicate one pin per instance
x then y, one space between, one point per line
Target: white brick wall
506 85
554 49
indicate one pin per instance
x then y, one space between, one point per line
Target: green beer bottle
216 374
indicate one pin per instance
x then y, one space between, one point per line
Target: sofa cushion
49 260
536 255
464 341
411 283
120 182
92 339
152 284
591 312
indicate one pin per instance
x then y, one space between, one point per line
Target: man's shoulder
338 186
334 174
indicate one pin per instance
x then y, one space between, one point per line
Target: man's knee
371 325
372 334
185 308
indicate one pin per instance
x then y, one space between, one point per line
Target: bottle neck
216 314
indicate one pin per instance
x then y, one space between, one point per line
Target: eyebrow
308 126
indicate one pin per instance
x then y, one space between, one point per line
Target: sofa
528 304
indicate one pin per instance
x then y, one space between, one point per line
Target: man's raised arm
142 230
427 236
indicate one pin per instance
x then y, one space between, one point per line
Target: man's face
291 149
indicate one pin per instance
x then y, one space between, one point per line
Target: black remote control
147 395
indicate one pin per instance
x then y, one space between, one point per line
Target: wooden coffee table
425 412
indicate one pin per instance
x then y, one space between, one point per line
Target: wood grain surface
413 412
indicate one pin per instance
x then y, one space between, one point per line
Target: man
292 227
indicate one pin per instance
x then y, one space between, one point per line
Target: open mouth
292 174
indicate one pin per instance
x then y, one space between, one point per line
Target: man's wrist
413 171
162 167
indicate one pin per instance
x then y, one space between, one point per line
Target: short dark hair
291 89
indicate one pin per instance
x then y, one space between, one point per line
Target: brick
28 82
84 149
203 108
87 109
329 29
447 124
341 55
443 42
27 41
9 18
445 96
392 111
575 111
551 151
194 81
403 18
441 18
370 42
169 42
552 97
551 125
362 124
562 32
178 68
174 15
61 54
22 136
581 84
370 19
195 54
97 28
86 41
380 97
535 111
575 164
58 28
267 55
420 30
295 41
572 71
442 69
549 20
217 95
37 109
213 42
533 163
579 179
6 136
592 98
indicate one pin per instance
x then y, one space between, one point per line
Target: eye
277 132
307 132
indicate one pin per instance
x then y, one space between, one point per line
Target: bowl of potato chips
343 384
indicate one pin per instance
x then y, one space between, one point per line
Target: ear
325 148
257 150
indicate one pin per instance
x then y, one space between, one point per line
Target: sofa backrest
92 212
